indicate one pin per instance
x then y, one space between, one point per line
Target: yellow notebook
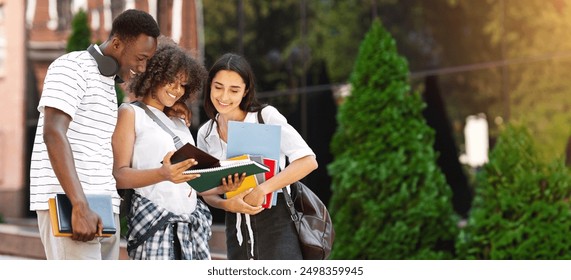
248 183
54 219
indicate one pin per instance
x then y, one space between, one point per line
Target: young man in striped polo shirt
72 149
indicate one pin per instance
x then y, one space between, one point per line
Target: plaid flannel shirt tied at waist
151 234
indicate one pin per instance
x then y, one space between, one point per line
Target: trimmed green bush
521 205
390 200
120 94
80 37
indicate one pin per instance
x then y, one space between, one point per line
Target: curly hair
132 23
168 62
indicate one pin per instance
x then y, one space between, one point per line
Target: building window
64 15
2 40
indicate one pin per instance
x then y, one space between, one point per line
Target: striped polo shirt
74 85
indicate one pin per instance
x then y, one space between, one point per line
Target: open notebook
211 169
212 177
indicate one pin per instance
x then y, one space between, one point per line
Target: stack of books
264 147
257 179
253 149
60 214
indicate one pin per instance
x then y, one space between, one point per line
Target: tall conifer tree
390 200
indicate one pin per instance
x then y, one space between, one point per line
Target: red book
272 164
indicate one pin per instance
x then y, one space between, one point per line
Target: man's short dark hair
132 23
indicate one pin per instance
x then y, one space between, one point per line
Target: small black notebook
99 203
187 151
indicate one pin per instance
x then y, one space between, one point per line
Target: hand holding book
230 183
252 181
265 146
60 209
212 171
212 177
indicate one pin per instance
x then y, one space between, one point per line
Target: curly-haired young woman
166 220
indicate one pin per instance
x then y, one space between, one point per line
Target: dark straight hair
236 63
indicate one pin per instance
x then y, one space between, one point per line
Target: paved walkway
6 257
20 240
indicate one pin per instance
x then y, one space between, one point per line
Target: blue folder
254 139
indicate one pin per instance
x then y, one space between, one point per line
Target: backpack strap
260 118
176 139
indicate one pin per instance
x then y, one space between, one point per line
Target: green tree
520 61
521 207
80 37
271 31
539 90
390 200
336 27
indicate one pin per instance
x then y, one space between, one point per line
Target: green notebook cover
212 177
